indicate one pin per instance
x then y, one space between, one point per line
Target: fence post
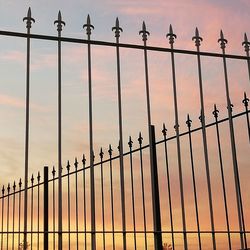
46 209
155 193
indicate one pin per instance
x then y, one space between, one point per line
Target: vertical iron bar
143 193
29 21
215 113
111 196
164 132
60 24
223 43
118 30
130 143
92 173
84 201
245 102
155 192
3 190
198 40
103 207
46 208
188 122
246 45
157 237
53 208
32 208
76 180
172 36
8 213
68 179
19 210
13 215
38 210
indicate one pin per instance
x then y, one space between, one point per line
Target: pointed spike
75 159
245 37
88 20
164 126
245 95
188 118
143 26
117 22
140 134
59 16
20 182
197 32
29 12
221 34
171 29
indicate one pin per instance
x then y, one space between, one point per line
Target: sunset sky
185 15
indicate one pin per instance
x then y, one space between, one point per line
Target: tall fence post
46 208
155 193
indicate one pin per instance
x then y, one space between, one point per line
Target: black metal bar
59 24
188 122
19 210
155 194
92 173
103 200
53 207
223 43
246 45
118 30
8 213
121 45
130 143
111 196
69 214
198 40
143 193
29 21
164 132
31 213
76 192
3 190
38 210
172 36
46 208
215 113
84 202
13 214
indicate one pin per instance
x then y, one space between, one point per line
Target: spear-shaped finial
130 142
171 35
38 177
83 159
216 111
29 19
222 40
14 186
68 166
230 106
110 150
88 26
60 23
20 183
101 154
32 179
117 28
140 139
245 100
3 190
76 163
197 38
164 130
8 188
53 171
246 43
189 121
144 32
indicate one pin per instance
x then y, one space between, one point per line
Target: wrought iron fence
122 201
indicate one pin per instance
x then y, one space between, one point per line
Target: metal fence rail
96 206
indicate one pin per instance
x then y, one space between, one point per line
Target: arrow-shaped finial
144 32
164 130
76 163
101 153
29 19
171 35
88 26
189 121
245 100
222 40
197 38
130 143
117 28
140 139
246 43
60 23
20 183
110 150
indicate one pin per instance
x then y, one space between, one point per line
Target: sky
185 15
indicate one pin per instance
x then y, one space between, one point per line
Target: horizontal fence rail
157 195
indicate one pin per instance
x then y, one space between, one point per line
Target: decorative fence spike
246 43
53 172
216 111
14 186
29 19
38 177
222 40
110 150
60 23
140 139
164 130
197 38
171 35
117 28
245 100
76 163
130 142
189 121
88 26
83 159
144 32
68 166
101 154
